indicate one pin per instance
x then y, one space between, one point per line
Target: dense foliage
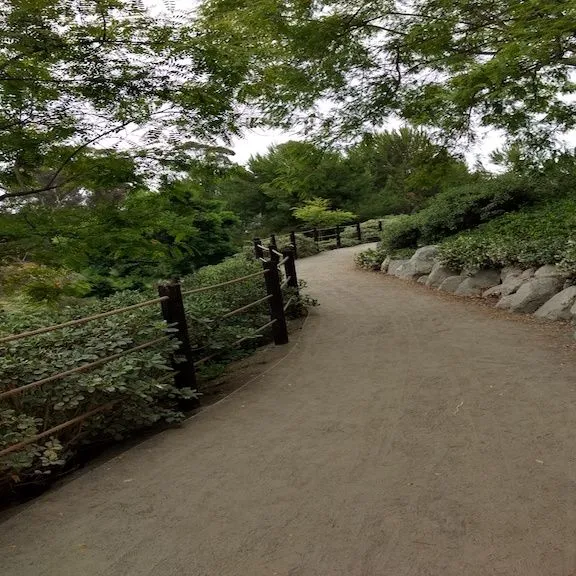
140 383
384 174
451 63
542 235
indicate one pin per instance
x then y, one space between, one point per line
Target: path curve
403 435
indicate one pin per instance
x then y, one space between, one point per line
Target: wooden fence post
273 256
276 302
290 268
338 239
359 231
273 241
293 242
379 225
174 314
316 236
257 250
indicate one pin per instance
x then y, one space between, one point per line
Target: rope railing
236 343
77 369
244 308
11 338
221 284
55 429
286 282
174 314
289 303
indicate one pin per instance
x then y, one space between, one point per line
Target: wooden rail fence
317 234
278 272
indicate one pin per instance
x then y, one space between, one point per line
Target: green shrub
401 232
371 259
458 209
541 235
141 383
38 283
306 246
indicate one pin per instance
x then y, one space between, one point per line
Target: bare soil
402 433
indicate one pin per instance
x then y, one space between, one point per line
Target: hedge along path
404 434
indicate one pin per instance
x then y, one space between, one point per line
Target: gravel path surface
404 434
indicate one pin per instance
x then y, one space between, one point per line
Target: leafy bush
306 246
541 235
141 383
317 213
459 209
39 283
371 259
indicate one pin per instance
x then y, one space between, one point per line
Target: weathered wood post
290 268
258 252
273 251
174 314
338 239
273 241
316 236
276 302
379 225
293 242
359 231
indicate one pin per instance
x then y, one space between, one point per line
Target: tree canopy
453 64
76 74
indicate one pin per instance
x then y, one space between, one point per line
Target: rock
421 263
550 271
451 283
395 265
509 271
511 285
532 294
438 274
495 291
423 279
528 274
505 302
385 264
474 285
559 306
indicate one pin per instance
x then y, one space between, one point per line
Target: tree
446 63
317 213
401 170
77 74
285 177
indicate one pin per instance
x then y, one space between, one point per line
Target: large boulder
451 283
559 306
528 274
475 284
420 264
438 274
509 271
505 302
532 294
550 271
509 286
395 265
423 279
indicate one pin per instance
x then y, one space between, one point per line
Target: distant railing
278 272
317 234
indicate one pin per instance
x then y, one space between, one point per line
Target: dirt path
403 435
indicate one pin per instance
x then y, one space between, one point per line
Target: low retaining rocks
546 292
